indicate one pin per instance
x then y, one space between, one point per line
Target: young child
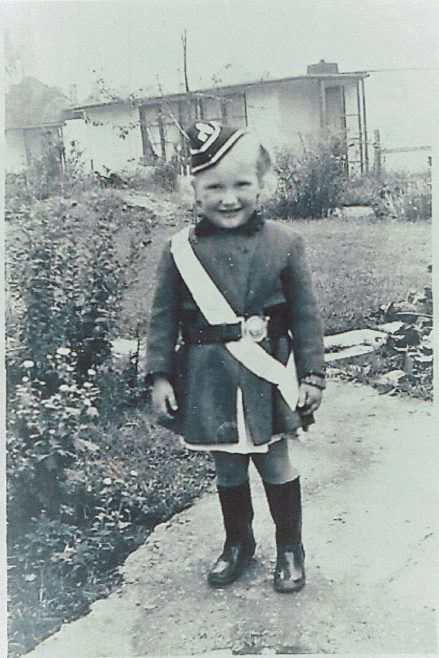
235 346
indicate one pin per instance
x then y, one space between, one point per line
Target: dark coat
256 268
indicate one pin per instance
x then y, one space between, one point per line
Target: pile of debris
396 355
409 345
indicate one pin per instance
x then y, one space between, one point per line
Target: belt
255 327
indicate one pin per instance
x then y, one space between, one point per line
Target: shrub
68 269
165 175
55 171
70 262
44 433
310 180
397 195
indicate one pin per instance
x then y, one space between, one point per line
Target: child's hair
250 146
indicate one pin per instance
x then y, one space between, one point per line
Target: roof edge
180 95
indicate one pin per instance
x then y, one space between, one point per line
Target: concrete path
369 477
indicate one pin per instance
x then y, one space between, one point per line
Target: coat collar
253 225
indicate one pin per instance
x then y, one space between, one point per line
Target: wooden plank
349 352
355 337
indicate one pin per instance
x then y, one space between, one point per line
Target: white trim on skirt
245 445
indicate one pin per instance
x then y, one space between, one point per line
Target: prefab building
121 134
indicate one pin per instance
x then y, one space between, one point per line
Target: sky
135 45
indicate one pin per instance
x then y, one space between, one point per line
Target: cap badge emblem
205 130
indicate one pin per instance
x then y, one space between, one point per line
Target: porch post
322 103
360 128
366 145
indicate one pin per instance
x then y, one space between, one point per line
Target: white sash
217 310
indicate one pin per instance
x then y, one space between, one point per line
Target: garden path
370 500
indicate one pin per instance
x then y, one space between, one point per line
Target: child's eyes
243 183
217 186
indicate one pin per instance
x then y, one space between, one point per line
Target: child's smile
227 194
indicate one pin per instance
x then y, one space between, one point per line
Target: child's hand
310 398
163 399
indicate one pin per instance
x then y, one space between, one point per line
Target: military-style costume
260 271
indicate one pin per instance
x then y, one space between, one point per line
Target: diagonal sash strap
217 310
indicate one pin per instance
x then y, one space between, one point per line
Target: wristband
314 380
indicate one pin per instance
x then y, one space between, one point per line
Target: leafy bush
165 175
69 264
397 195
44 433
310 180
56 171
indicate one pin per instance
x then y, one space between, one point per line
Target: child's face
227 194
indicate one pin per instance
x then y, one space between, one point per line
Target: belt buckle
254 327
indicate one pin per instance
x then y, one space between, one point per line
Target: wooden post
377 164
147 148
360 128
161 132
184 40
322 96
366 145
344 128
27 148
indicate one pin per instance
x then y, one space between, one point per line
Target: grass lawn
359 264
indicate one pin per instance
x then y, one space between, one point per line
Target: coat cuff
314 379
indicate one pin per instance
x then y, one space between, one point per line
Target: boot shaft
285 504
237 511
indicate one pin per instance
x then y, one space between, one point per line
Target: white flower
87 385
64 388
28 364
91 372
92 412
107 481
63 351
25 379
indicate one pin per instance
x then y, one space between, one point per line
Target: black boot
237 509
284 501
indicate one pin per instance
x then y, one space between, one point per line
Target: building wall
108 137
263 114
299 104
